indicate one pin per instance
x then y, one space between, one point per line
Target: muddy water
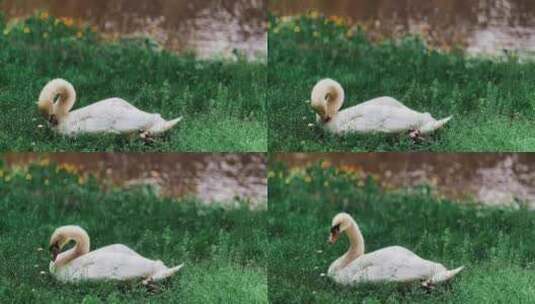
487 178
208 27
478 26
220 178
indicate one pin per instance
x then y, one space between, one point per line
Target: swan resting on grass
114 262
112 115
390 264
379 115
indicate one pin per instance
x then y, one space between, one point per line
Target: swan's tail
435 125
444 276
164 125
52 89
164 274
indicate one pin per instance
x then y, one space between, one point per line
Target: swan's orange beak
53 120
333 237
54 250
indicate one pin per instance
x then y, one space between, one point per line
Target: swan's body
379 115
114 262
113 115
390 264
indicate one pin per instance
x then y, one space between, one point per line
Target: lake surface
220 178
478 26
489 178
208 27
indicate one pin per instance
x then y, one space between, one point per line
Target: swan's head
341 222
56 100
63 235
46 109
326 99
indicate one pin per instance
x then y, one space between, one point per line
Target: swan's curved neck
64 104
335 99
356 247
81 248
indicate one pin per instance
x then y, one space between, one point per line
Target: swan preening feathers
113 115
114 262
379 115
390 264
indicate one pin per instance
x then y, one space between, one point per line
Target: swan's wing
390 273
371 119
109 266
116 248
111 115
384 101
393 264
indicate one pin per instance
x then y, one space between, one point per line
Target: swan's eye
335 229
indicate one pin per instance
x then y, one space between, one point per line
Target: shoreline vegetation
491 242
491 101
222 101
224 250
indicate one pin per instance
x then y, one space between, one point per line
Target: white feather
114 262
113 115
379 115
390 264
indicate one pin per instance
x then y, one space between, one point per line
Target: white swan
114 262
379 115
390 264
113 115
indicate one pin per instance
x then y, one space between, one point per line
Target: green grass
224 251
493 244
222 102
492 101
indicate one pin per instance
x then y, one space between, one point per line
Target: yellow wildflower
44 15
67 168
27 30
286 19
337 20
80 34
313 14
325 164
67 21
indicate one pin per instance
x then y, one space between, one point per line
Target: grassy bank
492 101
223 103
224 251
494 244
